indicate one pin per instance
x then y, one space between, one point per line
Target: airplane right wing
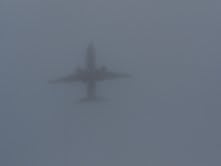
68 79
108 75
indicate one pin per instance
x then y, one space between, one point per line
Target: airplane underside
91 93
90 75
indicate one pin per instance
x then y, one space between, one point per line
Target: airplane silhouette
90 75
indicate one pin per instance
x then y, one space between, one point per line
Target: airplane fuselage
91 74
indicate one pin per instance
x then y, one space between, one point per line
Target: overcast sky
168 114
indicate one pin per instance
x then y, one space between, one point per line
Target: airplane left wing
68 79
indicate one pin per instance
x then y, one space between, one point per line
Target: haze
168 114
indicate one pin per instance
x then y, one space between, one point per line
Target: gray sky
168 114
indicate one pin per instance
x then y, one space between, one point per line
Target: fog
167 114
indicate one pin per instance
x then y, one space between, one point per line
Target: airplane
90 75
